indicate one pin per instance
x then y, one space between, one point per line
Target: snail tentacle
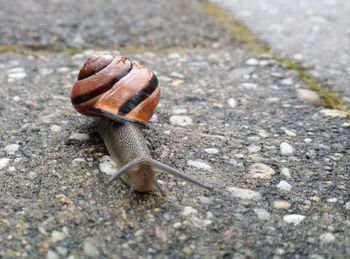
159 165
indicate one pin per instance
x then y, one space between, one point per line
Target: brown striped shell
115 88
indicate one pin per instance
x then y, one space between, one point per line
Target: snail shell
115 88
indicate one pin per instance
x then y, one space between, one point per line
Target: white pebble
261 171
63 69
204 199
188 210
334 113
284 186
281 204
57 236
285 172
347 205
287 81
4 162
107 165
199 164
51 255
309 96
55 128
16 73
248 85
79 136
90 249
263 133
262 214
232 102
289 132
180 120
212 151
332 200
244 194
62 250
308 140
11 148
252 62
179 110
254 148
286 149
78 161
327 238
295 219
16 98
345 125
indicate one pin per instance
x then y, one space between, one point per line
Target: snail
122 96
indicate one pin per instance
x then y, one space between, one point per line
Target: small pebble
249 85
289 132
244 194
188 210
252 62
212 151
232 102
51 255
180 120
4 162
179 110
62 250
204 199
55 128
287 81
177 225
345 125
90 249
11 148
57 236
327 238
308 140
281 204
261 171
286 149
284 186
253 149
285 172
16 98
295 219
107 165
79 136
309 96
78 161
32 174
199 165
332 200
16 73
187 250
263 133
334 113
347 205
262 214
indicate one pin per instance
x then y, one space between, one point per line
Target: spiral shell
115 88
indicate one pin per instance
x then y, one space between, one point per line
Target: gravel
42 193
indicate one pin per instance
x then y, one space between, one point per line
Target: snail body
122 96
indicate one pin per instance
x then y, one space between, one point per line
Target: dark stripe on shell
93 65
134 101
100 90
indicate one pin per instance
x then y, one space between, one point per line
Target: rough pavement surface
280 167
316 33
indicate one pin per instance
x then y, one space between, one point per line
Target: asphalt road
316 33
278 163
